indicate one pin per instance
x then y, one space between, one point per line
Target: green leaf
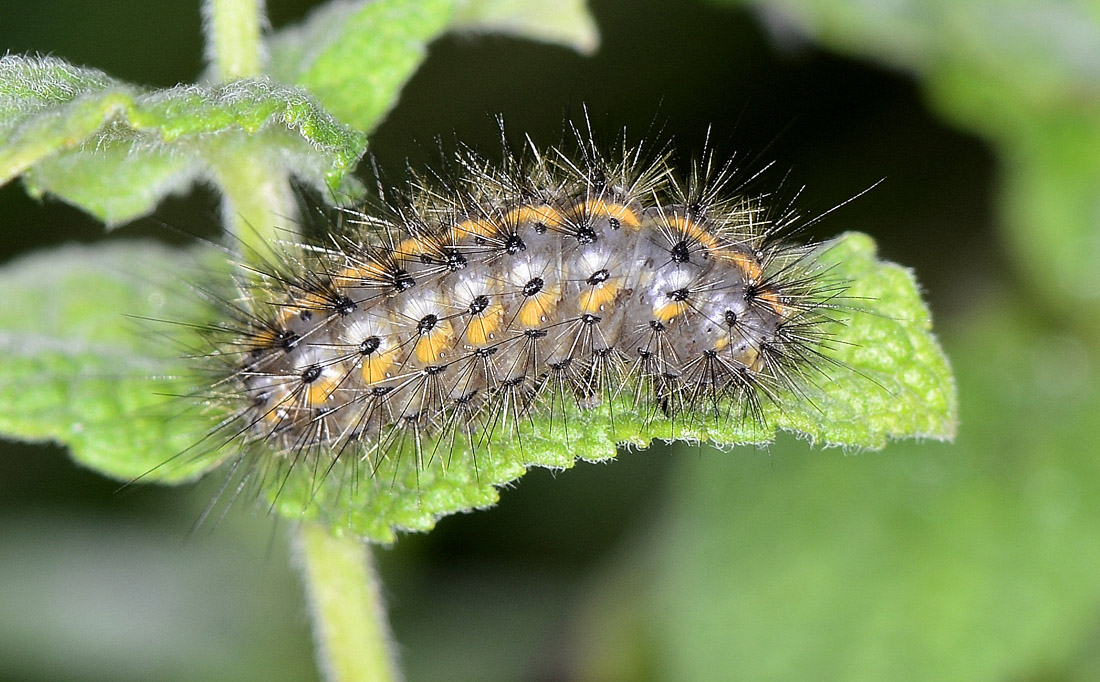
891 381
566 22
975 561
82 367
1026 76
66 566
355 56
87 375
115 149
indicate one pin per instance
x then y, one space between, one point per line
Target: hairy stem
350 631
233 45
258 204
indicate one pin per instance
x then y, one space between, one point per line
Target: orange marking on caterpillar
434 343
537 308
474 228
415 247
268 337
667 312
484 325
368 272
321 389
690 230
534 214
773 301
376 366
594 298
598 208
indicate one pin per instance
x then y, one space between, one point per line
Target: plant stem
233 46
350 632
257 202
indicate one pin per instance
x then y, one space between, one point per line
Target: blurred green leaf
81 366
971 562
115 149
355 56
566 22
83 596
1025 75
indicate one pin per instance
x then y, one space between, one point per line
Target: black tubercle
513 244
585 234
403 281
311 374
343 305
454 260
533 286
479 304
598 277
287 340
426 323
681 252
369 345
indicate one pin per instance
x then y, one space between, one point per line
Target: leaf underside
116 149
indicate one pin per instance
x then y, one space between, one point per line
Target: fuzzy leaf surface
80 367
116 149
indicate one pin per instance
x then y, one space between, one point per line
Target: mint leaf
85 364
355 56
115 149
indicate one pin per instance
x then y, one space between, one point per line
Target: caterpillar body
553 282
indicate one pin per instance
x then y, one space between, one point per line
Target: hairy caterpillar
497 302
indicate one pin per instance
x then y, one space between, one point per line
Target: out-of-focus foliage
976 561
1025 74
